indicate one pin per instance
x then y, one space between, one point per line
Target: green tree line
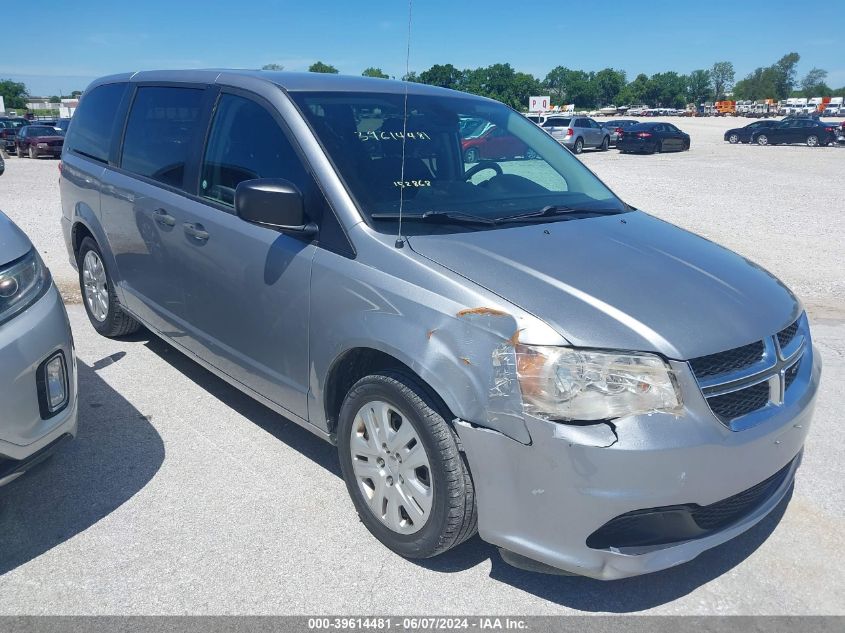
585 89
610 86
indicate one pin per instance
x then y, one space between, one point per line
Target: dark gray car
503 346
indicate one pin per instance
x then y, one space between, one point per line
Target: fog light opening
52 385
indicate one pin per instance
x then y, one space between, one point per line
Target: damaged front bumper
545 499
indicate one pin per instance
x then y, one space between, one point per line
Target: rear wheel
98 294
812 140
579 146
658 147
530 154
402 467
605 144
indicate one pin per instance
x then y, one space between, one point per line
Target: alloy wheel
733 139
762 140
95 286
391 467
812 141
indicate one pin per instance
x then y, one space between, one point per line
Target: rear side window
159 134
247 143
94 122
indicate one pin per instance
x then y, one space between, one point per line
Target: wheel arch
358 362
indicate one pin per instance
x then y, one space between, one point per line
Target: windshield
513 168
41 130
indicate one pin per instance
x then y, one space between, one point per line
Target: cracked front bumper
543 500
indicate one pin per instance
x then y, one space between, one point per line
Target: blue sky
93 38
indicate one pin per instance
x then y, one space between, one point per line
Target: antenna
399 241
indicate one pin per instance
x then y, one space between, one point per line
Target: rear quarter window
94 122
160 132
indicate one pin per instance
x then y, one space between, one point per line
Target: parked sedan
9 127
743 134
811 132
37 364
618 127
576 133
653 137
493 143
39 140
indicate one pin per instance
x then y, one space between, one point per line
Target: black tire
733 139
20 152
453 517
471 155
579 146
813 141
116 322
605 144
32 152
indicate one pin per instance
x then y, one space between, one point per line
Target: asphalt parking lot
183 496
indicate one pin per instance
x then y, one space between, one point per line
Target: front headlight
562 383
22 282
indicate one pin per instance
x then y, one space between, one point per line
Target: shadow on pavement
290 433
115 454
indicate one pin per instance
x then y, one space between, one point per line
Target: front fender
450 337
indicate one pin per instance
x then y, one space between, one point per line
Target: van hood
13 242
628 282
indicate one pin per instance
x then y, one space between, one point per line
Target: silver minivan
503 347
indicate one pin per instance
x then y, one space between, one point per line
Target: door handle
196 231
163 218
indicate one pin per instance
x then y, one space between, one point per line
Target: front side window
159 133
94 122
246 143
517 170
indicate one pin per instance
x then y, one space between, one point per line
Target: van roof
289 81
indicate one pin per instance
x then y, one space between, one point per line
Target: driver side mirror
274 203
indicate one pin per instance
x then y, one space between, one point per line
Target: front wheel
32 153
402 467
471 155
733 139
98 294
530 154
762 140
19 151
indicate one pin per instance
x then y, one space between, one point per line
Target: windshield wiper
553 210
443 217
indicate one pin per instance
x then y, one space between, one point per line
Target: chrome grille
729 361
740 382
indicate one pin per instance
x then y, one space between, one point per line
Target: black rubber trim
41 386
12 466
